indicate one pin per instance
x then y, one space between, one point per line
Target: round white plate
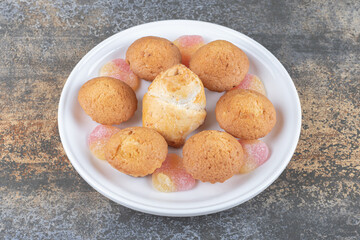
205 198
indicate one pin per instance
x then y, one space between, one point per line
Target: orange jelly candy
171 176
252 82
98 138
120 69
188 44
256 152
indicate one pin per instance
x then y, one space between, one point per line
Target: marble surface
316 197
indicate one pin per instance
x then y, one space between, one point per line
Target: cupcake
136 151
245 114
220 65
148 56
212 156
107 100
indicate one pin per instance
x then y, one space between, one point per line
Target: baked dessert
212 156
174 104
136 151
245 114
220 65
107 100
148 56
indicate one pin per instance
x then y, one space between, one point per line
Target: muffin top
212 156
107 100
245 114
178 85
220 65
148 56
136 151
175 104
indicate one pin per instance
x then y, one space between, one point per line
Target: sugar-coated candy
171 176
188 44
252 82
256 152
98 138
120 69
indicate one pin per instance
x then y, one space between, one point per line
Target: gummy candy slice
252 82
163 183
256 152
120 69
171 176
188 44
98 138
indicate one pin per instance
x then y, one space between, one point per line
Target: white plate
205 198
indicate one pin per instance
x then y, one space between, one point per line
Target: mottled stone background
316 197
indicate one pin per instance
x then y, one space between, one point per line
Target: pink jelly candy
188 44
171 176
98 138
252 82
256 152
119 69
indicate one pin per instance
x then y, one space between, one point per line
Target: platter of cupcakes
179 118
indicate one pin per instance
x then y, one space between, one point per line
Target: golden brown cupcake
175 104
212 156
148 56
220 65
136 151
245 114
107 100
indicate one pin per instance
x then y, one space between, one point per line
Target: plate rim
197 211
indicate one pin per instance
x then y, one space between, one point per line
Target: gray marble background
43 197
